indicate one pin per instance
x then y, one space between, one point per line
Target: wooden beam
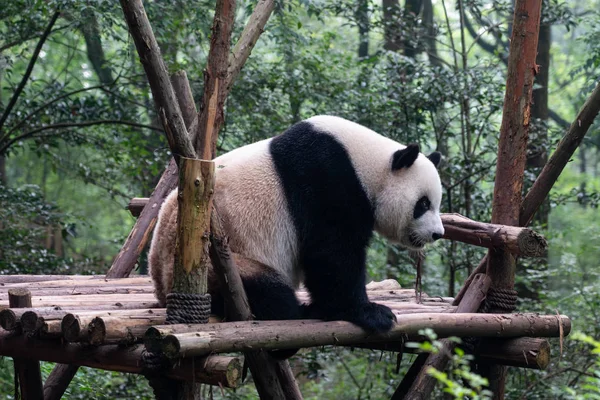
560 157
214 370
140 234
27 372
512 151
515 240
273 379
241 336
424 383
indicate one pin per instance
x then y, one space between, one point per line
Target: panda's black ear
435 158
406 157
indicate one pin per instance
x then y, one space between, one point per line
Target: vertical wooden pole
423 384
196 185
27 372
512 150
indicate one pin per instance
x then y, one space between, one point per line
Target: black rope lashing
500 300
496 300
154 366
186 308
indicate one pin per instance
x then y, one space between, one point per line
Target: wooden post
196 185
27 372
424 383
140 234
512 151
551 171
273 379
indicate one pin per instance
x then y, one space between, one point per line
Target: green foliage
82 140
590 387
459 381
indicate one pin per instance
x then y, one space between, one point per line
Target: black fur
422 206
435 158
269 297
334 221
406 157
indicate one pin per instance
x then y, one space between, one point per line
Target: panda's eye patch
422 206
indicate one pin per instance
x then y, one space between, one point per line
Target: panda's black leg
336 281
271 298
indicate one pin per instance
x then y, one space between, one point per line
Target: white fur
251 202
394 193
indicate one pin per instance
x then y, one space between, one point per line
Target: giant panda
301 207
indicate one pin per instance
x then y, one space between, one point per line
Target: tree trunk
512 150
391 31
363 22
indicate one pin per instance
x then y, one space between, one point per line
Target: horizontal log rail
242 336
523 352
214 370
517 240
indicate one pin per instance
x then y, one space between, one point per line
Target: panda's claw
374 317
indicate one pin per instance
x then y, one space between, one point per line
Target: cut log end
9 320
29 321
532 244
70 328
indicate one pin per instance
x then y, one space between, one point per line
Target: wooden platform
115 316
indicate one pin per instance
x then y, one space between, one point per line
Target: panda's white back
251 202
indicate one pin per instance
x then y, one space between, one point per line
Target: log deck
92 310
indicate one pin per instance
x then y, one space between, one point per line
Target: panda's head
407 209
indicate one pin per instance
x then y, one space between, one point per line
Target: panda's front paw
374 317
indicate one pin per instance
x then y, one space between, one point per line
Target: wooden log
92 298
411 375
307 333
87 291
213 370
560 157
10 279
9 320
27 372
100 301
423 384
273 379
80 281
516 240
158 78
58 381
524 352
512 151
135 243
196 185
252 31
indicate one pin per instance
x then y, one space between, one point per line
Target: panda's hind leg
269 295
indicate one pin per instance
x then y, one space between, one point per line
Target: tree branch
158 78
252 31
33 132
559 159
40 108
34 57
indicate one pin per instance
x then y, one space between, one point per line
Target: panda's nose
436 236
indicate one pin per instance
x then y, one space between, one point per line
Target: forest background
79 137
